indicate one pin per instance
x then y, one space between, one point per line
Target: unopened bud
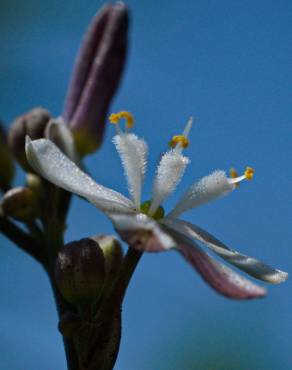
96 76
113 253
69 324
21 204
33 124
80 271
6 161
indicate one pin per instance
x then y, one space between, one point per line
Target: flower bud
6 161
96 76
33 124
69 324
21 203
80 271
113 253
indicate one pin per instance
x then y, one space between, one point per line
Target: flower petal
133 153
50 162
219 277
58 132
141 232
208 188
245 263
169 173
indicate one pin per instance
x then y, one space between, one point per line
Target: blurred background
227 63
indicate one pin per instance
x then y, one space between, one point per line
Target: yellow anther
248 173
233 173
114 118
127 116
179 139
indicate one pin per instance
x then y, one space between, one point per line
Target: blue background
228 63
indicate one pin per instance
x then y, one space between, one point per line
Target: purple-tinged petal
245 263
141 232
219 277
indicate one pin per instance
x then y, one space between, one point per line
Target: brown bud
69 324
33 124
80 271
96 76
113 253
21 204
6 161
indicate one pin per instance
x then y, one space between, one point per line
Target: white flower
144 226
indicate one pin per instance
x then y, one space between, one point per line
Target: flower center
145 208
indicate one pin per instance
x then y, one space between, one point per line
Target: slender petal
219 277
141 232
208 188
50 162
248 264
169 173
133 153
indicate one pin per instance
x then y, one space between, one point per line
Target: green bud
113 253
33 124
80 271
21 204
6 162
69 324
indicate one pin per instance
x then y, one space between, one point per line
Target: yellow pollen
248 173
233 173
179 139
127 116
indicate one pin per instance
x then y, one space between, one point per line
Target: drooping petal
133 153
51 163
208 188
219 277
245 263
141 232
169 173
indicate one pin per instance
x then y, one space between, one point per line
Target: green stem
108 311
63 307
20 238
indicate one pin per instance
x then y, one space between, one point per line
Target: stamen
182 141
127 116
234 174
179 139
235 179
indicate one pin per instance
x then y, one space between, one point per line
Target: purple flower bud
96 76
33 124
